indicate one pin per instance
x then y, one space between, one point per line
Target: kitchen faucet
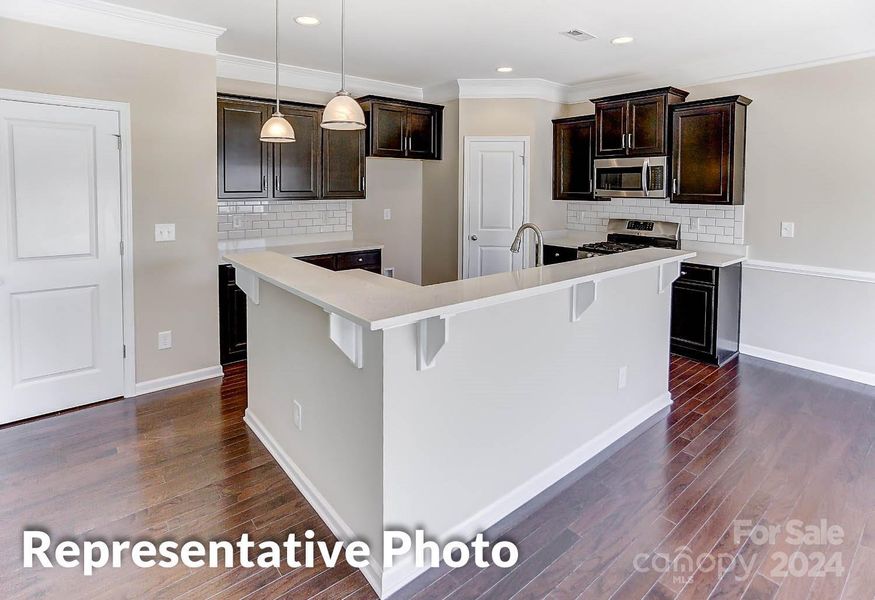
539 242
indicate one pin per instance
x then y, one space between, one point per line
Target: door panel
421 133
389 134
647 126
296 165
60 267
692 316
611 128
343 164
494 195
701 159
242 156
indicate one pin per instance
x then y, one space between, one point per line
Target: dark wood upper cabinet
708 146
402 129
305 169
296 165
573 151
343 164
242 159
634 124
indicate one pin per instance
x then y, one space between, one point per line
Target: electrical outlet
165 232
788 229
621 377
237 221
389 272
298 416
165 340
694 224
387 214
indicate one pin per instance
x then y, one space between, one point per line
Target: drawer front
326 261
358 260
558 254
698 274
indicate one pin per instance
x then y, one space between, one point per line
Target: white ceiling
429 42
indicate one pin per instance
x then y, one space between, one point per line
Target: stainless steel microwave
645 177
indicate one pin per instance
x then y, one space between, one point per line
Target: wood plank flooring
751 441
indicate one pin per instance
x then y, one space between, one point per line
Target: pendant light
277 129
343 112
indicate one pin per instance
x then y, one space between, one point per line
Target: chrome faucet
539 242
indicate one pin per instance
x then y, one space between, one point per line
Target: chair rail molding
811 271
114 21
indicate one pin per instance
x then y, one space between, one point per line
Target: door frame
123 109
463 200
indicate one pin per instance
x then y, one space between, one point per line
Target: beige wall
440 205
393 184
172 99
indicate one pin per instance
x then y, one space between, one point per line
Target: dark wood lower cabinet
706 313
232 317
558 254
232 300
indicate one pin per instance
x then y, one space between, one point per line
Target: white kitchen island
446 407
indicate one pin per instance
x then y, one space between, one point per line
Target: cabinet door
422 133
558 254
701 139
693 312
343 164
647 126
232 317
389 133
326 261
359 260
610 128
296 165
572 160
242 157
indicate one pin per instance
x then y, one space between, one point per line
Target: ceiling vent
578 35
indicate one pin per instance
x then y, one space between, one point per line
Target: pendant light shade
343 112
277 130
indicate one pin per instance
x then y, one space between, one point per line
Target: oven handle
645 175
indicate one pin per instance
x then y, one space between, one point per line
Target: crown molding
539 89
262 71
119 22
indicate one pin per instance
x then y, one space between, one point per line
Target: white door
495 191
61 329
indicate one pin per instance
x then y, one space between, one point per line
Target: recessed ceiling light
310 21
623 39
504 69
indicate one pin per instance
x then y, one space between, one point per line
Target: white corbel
248 282
582 297
667 274
432 335
347 336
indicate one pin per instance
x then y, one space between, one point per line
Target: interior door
495 181
61 324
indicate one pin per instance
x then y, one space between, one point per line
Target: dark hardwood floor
750 441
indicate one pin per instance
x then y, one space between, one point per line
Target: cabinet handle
361 260
674 185
363 182
263 182
276 182
623 141
630 142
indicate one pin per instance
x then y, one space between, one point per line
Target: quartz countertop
715 259
378 302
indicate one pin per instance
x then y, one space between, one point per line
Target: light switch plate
165 232
165 340
788 229
387 214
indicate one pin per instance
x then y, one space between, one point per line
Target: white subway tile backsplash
698 222
270 218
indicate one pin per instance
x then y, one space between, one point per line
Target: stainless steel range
633 234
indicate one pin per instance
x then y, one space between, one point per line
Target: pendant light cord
342 48
276 41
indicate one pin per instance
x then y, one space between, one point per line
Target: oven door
631 177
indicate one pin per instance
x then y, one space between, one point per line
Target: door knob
473 238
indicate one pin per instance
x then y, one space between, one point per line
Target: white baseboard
341 530
809 364
405 572
163 383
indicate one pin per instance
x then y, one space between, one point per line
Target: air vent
578 35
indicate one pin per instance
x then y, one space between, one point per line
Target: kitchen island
446 407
